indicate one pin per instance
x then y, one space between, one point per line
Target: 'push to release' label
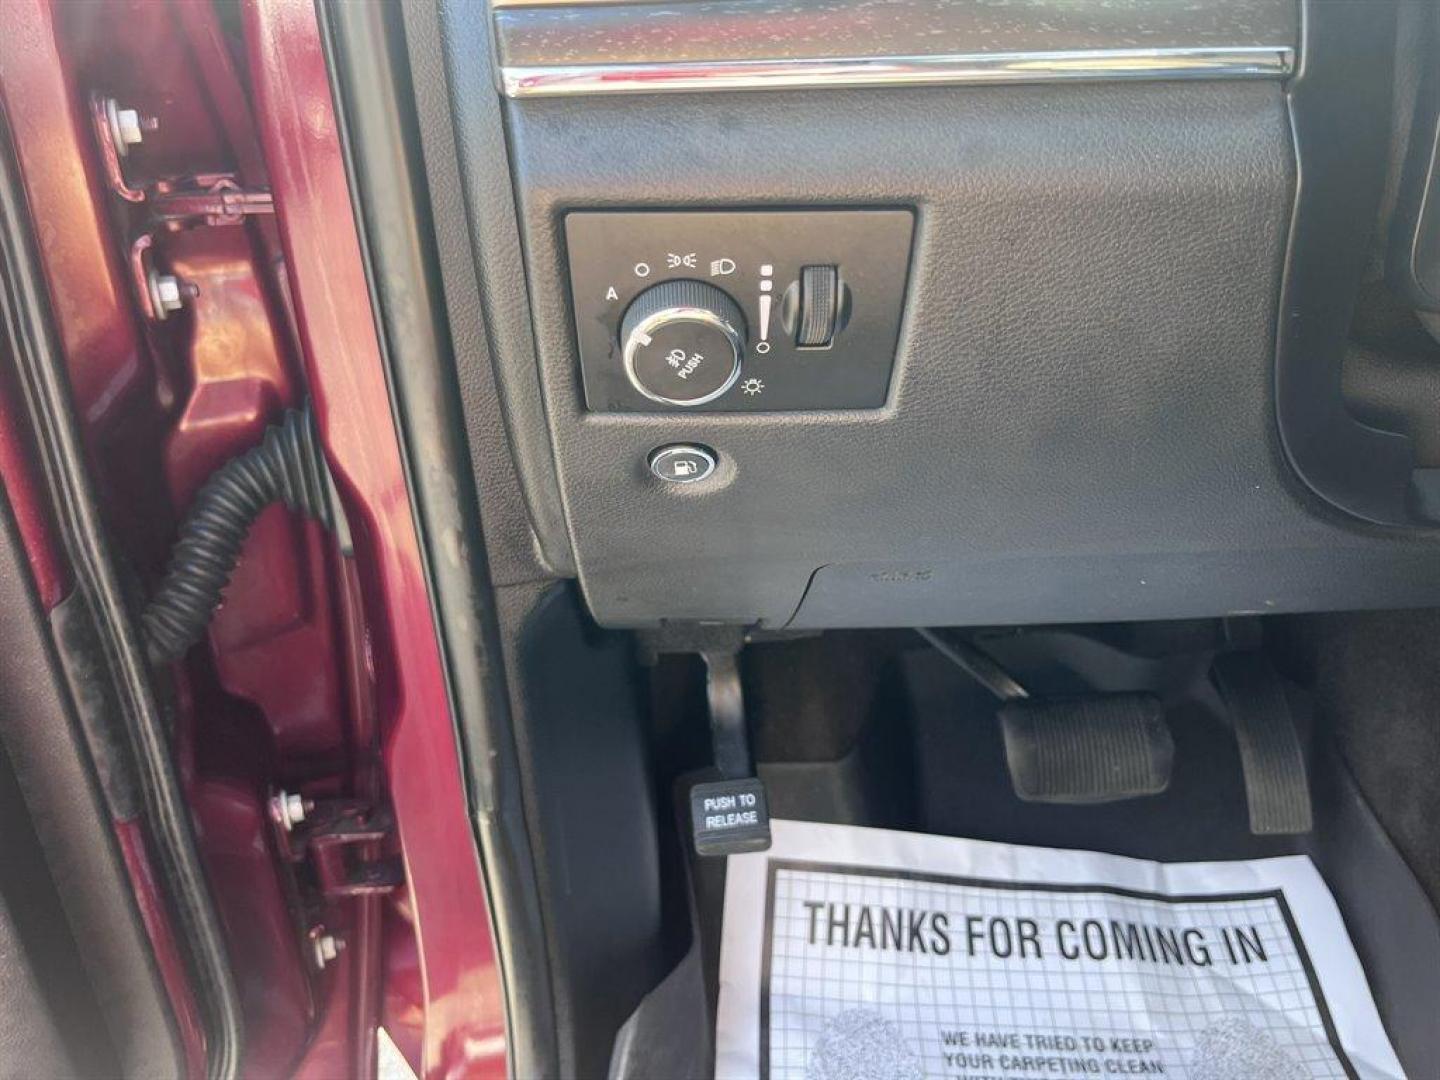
728 817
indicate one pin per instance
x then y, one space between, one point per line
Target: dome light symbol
752 386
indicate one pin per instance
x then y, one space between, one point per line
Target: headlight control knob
683 342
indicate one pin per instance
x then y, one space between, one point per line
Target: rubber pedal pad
1093 749
1277 784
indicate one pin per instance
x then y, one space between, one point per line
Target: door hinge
342 839
187 202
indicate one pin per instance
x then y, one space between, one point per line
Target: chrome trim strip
1239 62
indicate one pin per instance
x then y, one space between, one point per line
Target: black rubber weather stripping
287 466
378 129
29 325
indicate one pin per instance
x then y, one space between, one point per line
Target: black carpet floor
929 758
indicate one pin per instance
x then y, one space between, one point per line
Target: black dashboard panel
1081 423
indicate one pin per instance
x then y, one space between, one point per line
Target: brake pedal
729 816
1092 749
1089 749
1277 785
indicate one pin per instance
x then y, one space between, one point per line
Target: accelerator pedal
1088 749
1277 786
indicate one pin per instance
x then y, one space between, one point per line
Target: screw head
167 295
127 126
130 130
325 947
288 810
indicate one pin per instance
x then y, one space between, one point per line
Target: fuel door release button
682 463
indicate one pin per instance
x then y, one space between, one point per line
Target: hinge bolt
289 810
326 947
127 126
168 293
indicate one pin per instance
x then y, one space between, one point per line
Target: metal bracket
104 118
341 839
204 199
201 199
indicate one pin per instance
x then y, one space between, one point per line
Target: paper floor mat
851 953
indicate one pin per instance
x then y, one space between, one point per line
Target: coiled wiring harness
287 466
